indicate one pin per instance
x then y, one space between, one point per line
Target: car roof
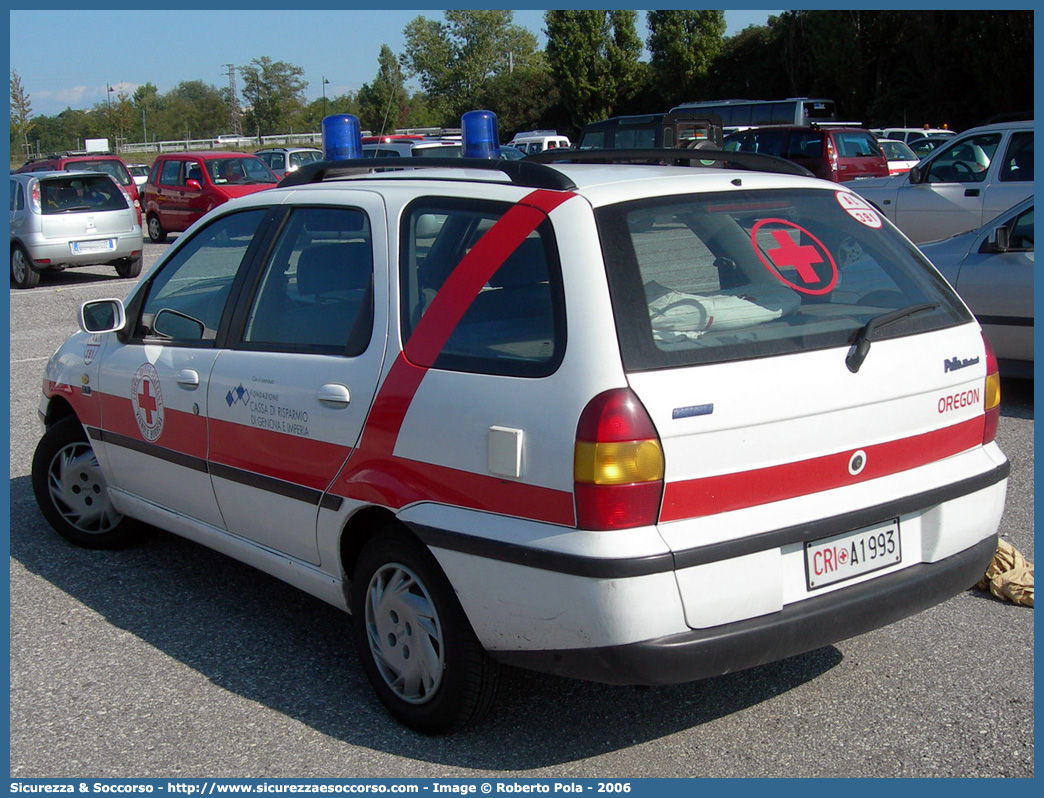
600 183
1028 123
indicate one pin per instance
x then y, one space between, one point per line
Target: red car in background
183 186
104 162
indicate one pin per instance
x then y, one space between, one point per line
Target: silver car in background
65 219
283 160
960 185
992 270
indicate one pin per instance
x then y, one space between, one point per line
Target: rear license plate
835 559
102 245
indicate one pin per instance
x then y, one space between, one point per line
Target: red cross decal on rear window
777 244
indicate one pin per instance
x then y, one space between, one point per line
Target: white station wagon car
960 185
629 423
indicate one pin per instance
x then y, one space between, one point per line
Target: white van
538 141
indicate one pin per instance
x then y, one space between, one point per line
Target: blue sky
167 47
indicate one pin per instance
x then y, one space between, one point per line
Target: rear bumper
59 254
800 627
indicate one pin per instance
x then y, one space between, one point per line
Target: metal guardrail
184 145
282 139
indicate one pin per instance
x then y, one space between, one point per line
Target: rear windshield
715 277
106 166
81 194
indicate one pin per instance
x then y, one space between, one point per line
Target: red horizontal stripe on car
85 405
694 498
397 482
302 461
182 432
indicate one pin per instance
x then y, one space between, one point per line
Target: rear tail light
831 153
34 197
992 394
618 464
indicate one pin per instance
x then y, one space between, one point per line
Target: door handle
971 192
334 394
188 378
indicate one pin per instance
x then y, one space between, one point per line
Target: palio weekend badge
147 398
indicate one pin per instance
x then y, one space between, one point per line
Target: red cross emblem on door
147 399
794 256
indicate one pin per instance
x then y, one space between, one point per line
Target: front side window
316 290
1018 161
964 161
708 278
486 306
185 301
238 170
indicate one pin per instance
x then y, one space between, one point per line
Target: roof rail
748 161
520 173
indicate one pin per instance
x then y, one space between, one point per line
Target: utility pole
235 123
325 81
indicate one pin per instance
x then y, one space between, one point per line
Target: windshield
239 170
713 277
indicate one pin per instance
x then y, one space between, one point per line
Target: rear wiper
861 345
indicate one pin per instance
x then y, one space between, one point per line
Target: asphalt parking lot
169 660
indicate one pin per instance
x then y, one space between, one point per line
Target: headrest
334 267
525 266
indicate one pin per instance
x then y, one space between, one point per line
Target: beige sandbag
1009 576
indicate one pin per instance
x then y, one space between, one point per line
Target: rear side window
707 278
490 307
805 144
81 194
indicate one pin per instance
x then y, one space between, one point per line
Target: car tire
157 235
23 275
415 642
128 267
71 490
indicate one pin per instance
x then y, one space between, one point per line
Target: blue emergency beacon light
342 137
479 135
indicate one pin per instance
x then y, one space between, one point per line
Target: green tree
593 58
682 46
192 109
454 58
384 103
274 90
144 100
523 99
21 115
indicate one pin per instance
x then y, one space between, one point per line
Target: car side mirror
171 324
102 316
1000 241
194 184
915 174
